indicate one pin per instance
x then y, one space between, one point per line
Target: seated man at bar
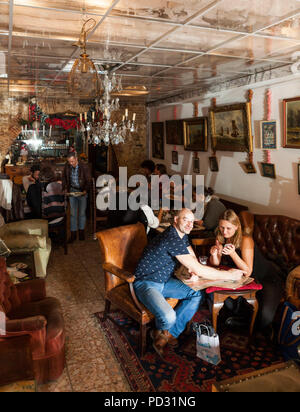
155 282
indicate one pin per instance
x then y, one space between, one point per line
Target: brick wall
10 113
129 154
134 150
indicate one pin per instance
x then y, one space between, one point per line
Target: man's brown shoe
171 339
160 339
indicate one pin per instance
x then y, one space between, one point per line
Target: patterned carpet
182 371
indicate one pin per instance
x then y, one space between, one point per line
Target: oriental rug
181 370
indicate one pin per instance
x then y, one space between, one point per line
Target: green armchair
29 236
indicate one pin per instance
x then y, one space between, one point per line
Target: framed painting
174 157
268 134
195 134
213 164
268 170
174 132
231 128
291 133
248 167
158 140
196 165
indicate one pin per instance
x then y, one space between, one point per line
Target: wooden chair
121 249
202 246
96 215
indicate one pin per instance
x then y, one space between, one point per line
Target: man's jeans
153 294
78 208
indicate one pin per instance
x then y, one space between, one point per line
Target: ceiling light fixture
83 78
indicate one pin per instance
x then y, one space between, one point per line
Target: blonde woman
233 249
230 243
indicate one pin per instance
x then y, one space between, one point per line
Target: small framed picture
248 167
196 165
299 178
174 157
213 164
268 170
268 134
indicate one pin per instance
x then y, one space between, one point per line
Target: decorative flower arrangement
65 124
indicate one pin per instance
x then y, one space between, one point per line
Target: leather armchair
29 236
121 249
30 312
278 238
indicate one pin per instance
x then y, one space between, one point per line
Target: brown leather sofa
29 312
278 237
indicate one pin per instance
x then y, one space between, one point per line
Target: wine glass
203 260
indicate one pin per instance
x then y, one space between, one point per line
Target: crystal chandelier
109 131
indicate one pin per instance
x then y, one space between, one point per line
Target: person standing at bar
76 178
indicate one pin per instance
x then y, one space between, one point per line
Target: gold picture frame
231 128
291 134
195 134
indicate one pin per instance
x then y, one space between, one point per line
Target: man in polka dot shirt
155 282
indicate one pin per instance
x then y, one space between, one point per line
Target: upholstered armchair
30 313
29 236
121 249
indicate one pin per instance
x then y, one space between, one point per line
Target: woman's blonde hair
231 217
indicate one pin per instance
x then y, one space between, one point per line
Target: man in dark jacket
76 181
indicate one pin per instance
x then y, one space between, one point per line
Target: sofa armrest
37 227
35 327
32 290
22 241
17 327
120 273
293 287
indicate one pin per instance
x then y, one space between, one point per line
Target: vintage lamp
83 78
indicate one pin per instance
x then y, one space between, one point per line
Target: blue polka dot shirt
158 261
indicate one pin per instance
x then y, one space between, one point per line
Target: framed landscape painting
195 134
291 135
174 132
158 140
231 128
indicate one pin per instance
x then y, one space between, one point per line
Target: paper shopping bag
208 347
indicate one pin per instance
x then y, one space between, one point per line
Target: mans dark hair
35 168
148 164
71 154
161 168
